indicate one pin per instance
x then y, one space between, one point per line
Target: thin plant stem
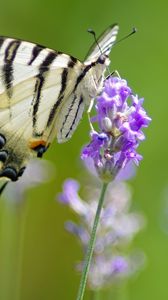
91 245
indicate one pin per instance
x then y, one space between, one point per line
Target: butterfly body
43 94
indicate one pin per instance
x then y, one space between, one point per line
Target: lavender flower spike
111 261
120 125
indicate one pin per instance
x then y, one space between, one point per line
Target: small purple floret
120 265
120 129
70 196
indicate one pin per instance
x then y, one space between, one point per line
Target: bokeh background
45 255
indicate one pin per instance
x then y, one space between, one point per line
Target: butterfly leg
114 73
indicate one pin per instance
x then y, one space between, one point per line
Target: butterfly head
98 58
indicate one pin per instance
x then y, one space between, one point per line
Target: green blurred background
48 252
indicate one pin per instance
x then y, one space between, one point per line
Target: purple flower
105 270
108 269
70 196
120 117
116 230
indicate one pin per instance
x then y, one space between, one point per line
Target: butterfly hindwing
69 116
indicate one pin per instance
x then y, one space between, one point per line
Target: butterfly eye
10 173
2 141
101 59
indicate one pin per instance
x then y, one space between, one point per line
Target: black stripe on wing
40 80
35 52
1 41
71 64
75 117
82 75
68 113
60 97
10 53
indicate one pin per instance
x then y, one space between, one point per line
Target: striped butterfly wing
105 43
42 95
34 82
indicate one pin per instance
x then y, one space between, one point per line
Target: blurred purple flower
120 125
109 268
116 229
106 269
71 197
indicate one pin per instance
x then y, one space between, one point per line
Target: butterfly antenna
3 187
134 30
97 43
95 38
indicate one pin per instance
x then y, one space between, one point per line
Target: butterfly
43 94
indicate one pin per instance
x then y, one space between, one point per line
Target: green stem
91 245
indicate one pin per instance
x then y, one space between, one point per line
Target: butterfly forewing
43 94
105 43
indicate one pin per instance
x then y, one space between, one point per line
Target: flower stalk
91 245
